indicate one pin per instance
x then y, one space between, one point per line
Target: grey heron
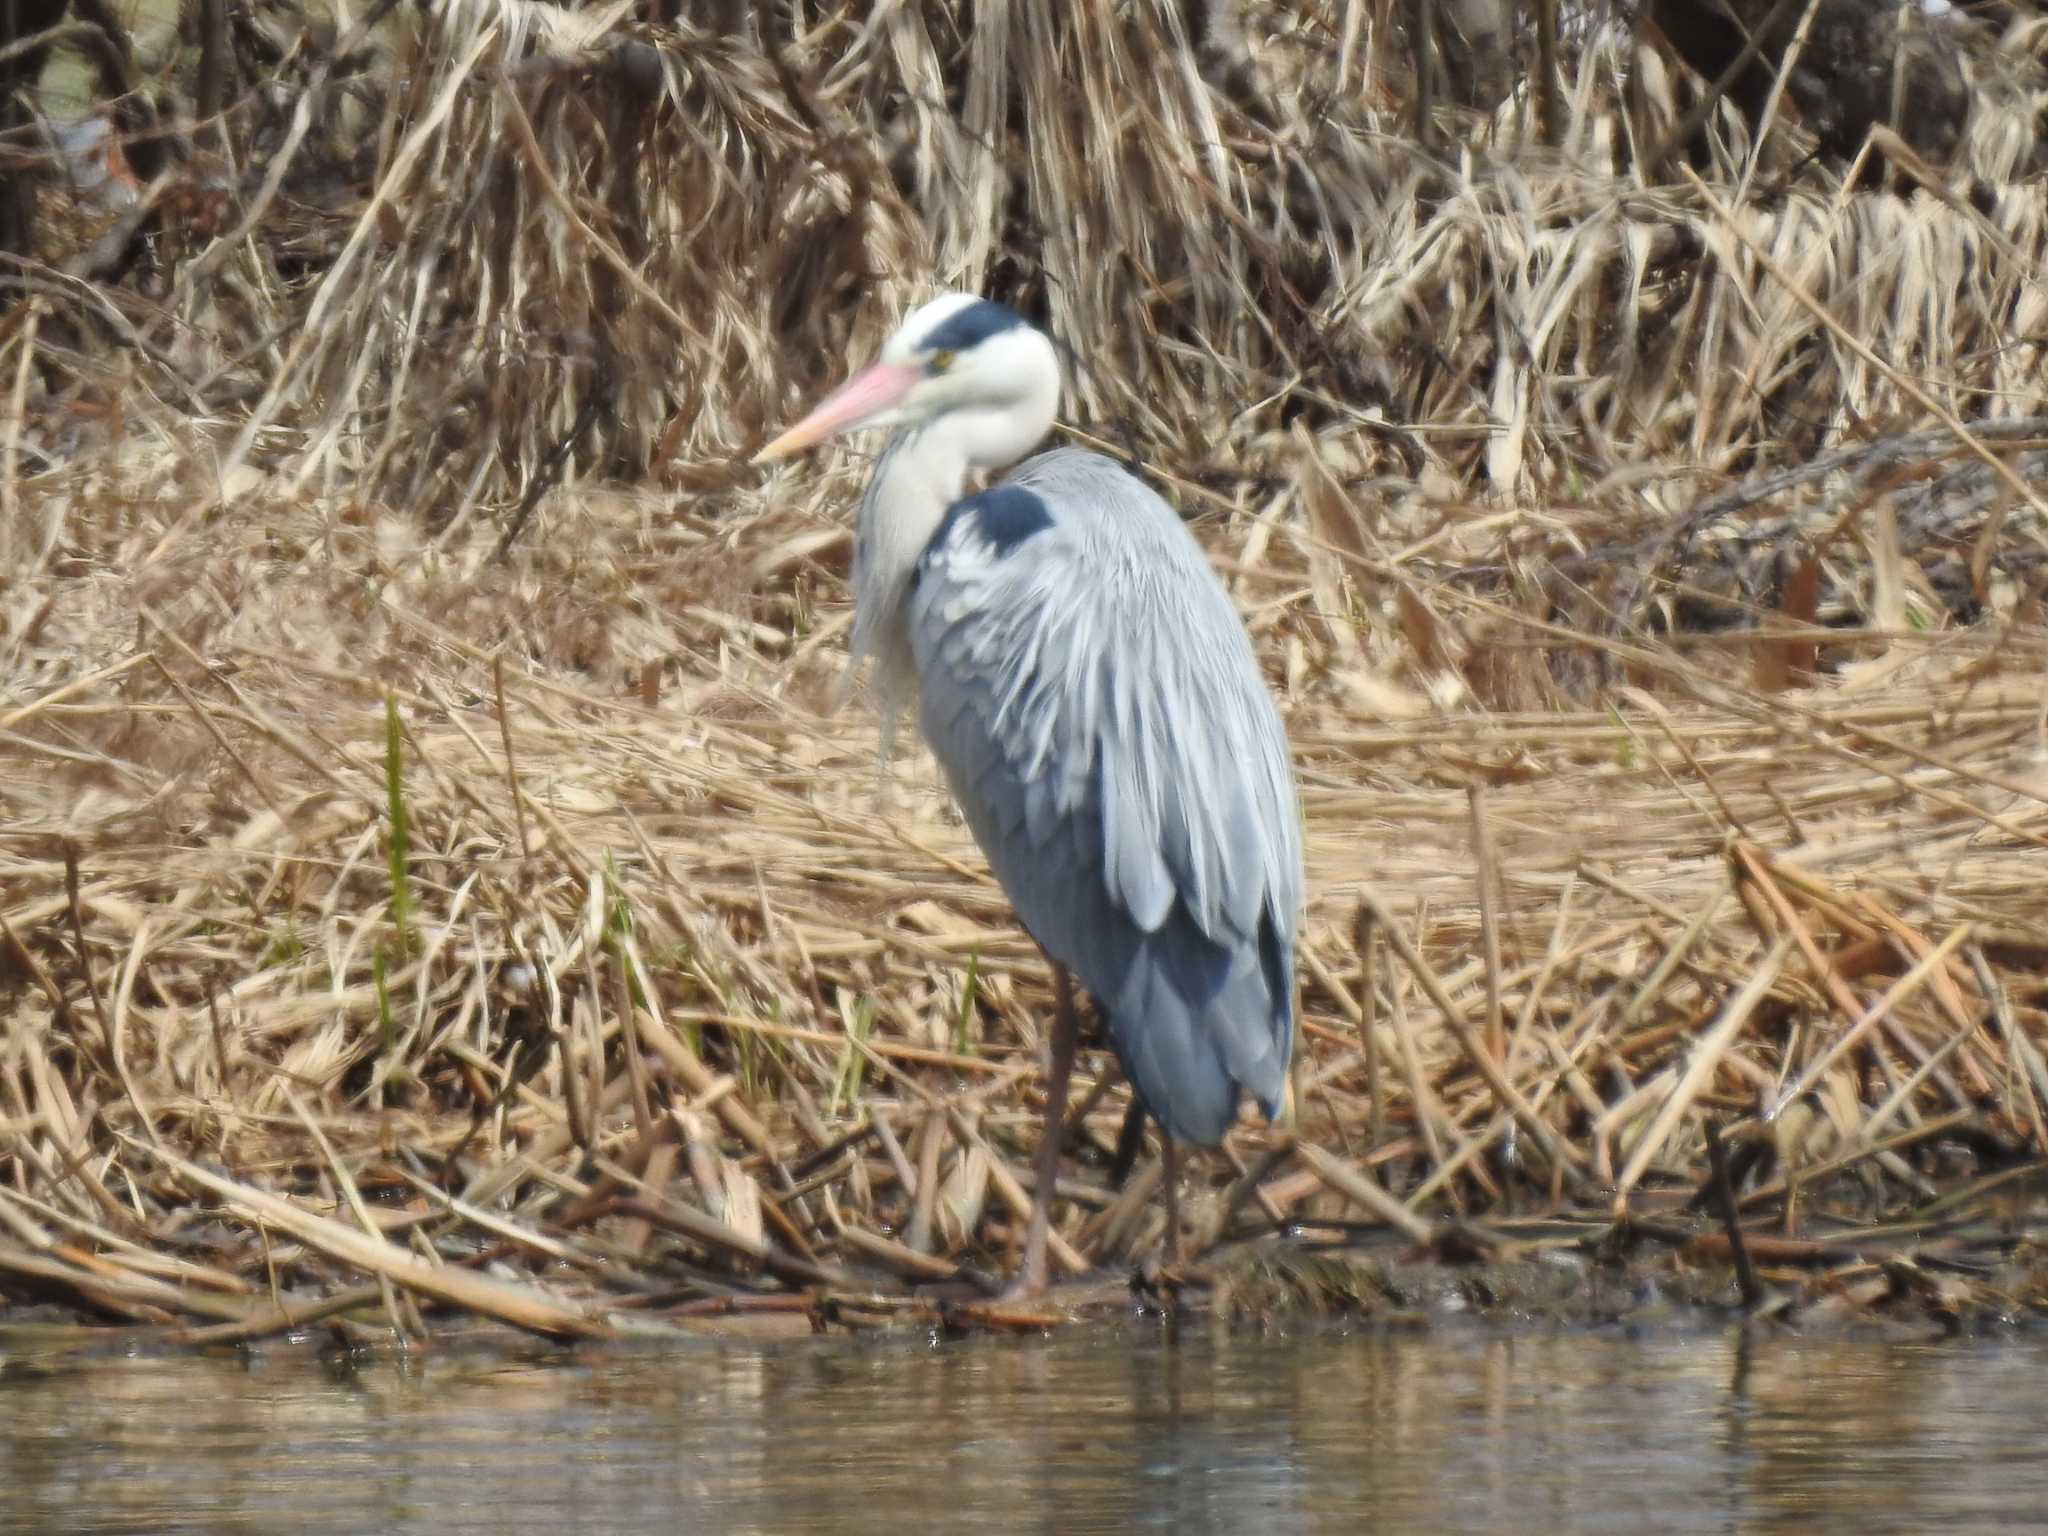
1090 691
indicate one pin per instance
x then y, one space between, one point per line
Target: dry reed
428 856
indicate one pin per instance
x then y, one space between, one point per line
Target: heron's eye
939 362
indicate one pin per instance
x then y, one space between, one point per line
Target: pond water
1109 1431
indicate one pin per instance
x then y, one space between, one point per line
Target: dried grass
668 1000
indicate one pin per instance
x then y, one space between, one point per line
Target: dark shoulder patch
1009 514
1005 515
971 326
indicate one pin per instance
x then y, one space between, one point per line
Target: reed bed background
432 869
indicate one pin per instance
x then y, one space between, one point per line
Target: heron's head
956 354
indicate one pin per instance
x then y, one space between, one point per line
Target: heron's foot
1030 1285
1161 1282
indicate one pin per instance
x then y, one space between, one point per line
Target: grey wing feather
1092 695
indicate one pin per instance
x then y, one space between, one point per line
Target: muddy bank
1646 1278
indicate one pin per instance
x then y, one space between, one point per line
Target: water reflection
1110 1432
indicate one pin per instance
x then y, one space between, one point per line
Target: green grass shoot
398 848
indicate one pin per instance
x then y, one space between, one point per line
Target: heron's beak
853 404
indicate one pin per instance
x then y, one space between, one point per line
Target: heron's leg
1032 1278
1171 1179
1129 1141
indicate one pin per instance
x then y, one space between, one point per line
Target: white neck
919 476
